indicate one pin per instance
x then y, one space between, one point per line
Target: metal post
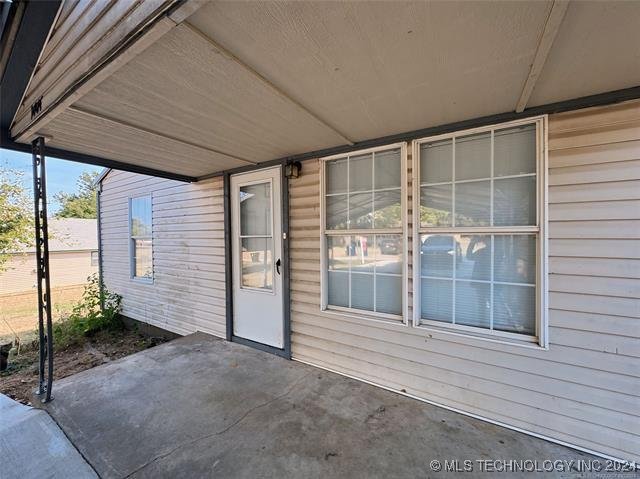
42 267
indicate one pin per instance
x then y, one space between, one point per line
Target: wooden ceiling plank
549 33
280 92
65 94
131 126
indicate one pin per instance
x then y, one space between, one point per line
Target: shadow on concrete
202 407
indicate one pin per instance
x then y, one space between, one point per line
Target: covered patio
203 407
200 93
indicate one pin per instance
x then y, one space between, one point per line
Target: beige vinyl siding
188 290
583 390
67 268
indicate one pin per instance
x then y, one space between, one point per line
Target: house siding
583 390
188 290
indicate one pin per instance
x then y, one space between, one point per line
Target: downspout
99 214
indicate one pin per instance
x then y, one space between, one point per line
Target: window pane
473 303
436 162
361 211
360 253
473 206
437 300
143 258
435 205
389 254
514 202
436 255
257 261
337 212
514 151
338 289
515 258
388 209
360 173
337 252
473 157
255 209
514 308
362 291
141 216
387 169
389 294
337 176
475 257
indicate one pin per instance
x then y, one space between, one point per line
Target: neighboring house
439 198
73 256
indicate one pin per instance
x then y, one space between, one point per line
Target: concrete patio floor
202 407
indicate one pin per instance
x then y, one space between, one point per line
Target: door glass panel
255 210
256 237
257 263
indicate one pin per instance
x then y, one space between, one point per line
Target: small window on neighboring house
363 253
94 258
479 239
141 249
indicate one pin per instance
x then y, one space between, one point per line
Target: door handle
278 263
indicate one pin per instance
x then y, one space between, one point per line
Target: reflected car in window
441 248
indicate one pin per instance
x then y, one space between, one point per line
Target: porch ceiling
240 83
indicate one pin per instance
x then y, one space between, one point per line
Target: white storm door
256 228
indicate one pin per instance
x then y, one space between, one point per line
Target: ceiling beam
35 23
551 28
133 43
7 143
600 99
276 89
131 126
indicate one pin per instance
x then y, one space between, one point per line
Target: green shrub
87 317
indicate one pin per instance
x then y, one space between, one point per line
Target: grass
19 312
87 335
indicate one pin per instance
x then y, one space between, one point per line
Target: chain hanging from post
42 258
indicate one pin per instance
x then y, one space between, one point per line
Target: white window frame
541 284
132 268
324 280
96 261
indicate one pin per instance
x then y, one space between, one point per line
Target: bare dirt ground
21 378
19 312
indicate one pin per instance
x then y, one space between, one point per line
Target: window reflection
257 260
365 272
462 268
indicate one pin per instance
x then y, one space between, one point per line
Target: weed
88 317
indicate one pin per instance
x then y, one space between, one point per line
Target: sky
61 175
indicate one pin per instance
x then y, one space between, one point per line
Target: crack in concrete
222 431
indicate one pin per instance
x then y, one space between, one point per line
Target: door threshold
262 347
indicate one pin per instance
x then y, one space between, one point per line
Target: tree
81 204
16 215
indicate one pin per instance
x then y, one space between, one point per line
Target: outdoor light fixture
292 170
